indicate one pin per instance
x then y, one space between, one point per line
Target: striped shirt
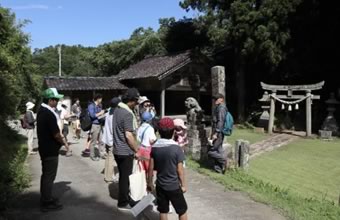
122 121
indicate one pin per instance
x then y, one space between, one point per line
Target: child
167 159
146 137
180 136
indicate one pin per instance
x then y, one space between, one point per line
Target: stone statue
194 112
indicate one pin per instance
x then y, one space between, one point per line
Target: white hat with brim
29 105
142 99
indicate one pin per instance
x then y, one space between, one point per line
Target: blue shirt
93 110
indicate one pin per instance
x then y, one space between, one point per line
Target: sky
89 22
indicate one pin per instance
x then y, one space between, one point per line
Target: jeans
217 154
96 129
49 172
124 164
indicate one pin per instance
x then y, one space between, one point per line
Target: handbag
137 182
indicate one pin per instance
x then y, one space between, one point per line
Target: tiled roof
84 83
155 67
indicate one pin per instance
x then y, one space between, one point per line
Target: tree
113 57
15 65
257 31
181 35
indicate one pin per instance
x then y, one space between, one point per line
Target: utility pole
59 52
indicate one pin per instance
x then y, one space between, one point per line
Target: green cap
52 93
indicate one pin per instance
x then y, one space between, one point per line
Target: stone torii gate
291 99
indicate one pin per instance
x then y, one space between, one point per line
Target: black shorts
176 198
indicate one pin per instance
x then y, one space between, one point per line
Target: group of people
127 137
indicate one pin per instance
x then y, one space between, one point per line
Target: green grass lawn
301 179
310 168
245 134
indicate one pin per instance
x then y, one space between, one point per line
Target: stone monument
197 134
330 126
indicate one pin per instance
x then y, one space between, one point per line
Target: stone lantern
264 118
330 126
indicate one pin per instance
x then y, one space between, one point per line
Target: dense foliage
16 84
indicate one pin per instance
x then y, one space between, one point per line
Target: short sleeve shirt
47 127
167 155
146 134
122 121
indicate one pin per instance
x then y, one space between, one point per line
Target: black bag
85 120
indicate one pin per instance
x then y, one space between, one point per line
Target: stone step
276 141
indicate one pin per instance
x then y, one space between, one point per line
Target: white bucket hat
142 99
29 105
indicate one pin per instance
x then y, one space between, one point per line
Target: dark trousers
49 172
124 164
217 154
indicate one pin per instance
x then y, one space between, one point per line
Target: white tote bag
137 182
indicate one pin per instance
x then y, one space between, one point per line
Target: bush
14 178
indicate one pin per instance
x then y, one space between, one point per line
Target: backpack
228 124
85 120
23 121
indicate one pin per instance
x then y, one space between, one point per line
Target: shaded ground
85 195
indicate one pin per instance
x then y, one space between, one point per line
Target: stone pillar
272 114
241 154
163 99
308 114
217 83
218 80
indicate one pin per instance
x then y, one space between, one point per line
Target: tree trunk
240 87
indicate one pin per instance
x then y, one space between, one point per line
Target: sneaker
51 206
95 158
32 153
124 208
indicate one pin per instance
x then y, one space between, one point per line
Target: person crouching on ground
167 159
50 141
146 137
216 151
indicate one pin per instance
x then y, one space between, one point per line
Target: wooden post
308 114
272 114
163 99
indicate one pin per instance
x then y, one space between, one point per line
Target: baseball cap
52 93
166 123
131 94
218 96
